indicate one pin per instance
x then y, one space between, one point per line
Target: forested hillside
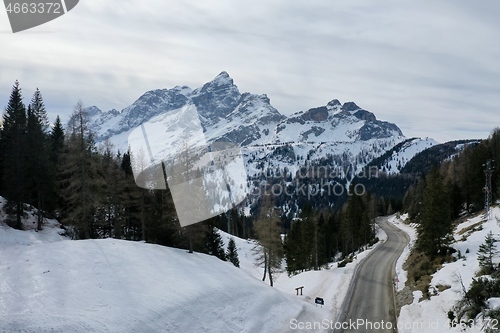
445 195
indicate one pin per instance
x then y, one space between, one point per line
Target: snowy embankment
51 284
401 274
431 315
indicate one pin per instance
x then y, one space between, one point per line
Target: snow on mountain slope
51 284
243 119
406 153
112 285
334 123
431 315
343 156
395 159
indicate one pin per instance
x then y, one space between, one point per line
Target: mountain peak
223 74
333 103
216 98
350 106
223 79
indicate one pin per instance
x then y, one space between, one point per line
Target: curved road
370 300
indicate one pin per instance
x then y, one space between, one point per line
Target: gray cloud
429 67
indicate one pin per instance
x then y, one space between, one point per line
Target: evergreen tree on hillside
307 242
56 141
213 243
294 252
137 202
56 146
309 237
320 243
39 111
356 229
111 196
14 144
40 170
486 252
232 253
435 227
149 214
335 240
417 199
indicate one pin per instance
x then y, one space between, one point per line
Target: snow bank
399 221
431 315
119 286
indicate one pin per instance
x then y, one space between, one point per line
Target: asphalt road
370 300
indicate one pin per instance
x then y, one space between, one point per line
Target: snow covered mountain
275 149
343 136
397 158
244 119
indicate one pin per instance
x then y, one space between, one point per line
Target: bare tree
80 182
269 249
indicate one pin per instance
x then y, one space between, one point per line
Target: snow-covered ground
401 274
409 150
431 315
51 284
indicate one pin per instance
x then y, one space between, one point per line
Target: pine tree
40 170
333 241
435 226
56 141
486 252
321 243
111 195
309 237
14 143
213 243
138 201
294 255
355 227
232 253
39 111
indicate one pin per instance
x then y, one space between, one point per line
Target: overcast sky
431 67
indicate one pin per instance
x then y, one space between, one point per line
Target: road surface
370 299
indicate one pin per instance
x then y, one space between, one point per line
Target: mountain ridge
243 118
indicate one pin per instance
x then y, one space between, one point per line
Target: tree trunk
244 226
190 242
265 266
39 215
19 212
269 269
316 264
143 218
